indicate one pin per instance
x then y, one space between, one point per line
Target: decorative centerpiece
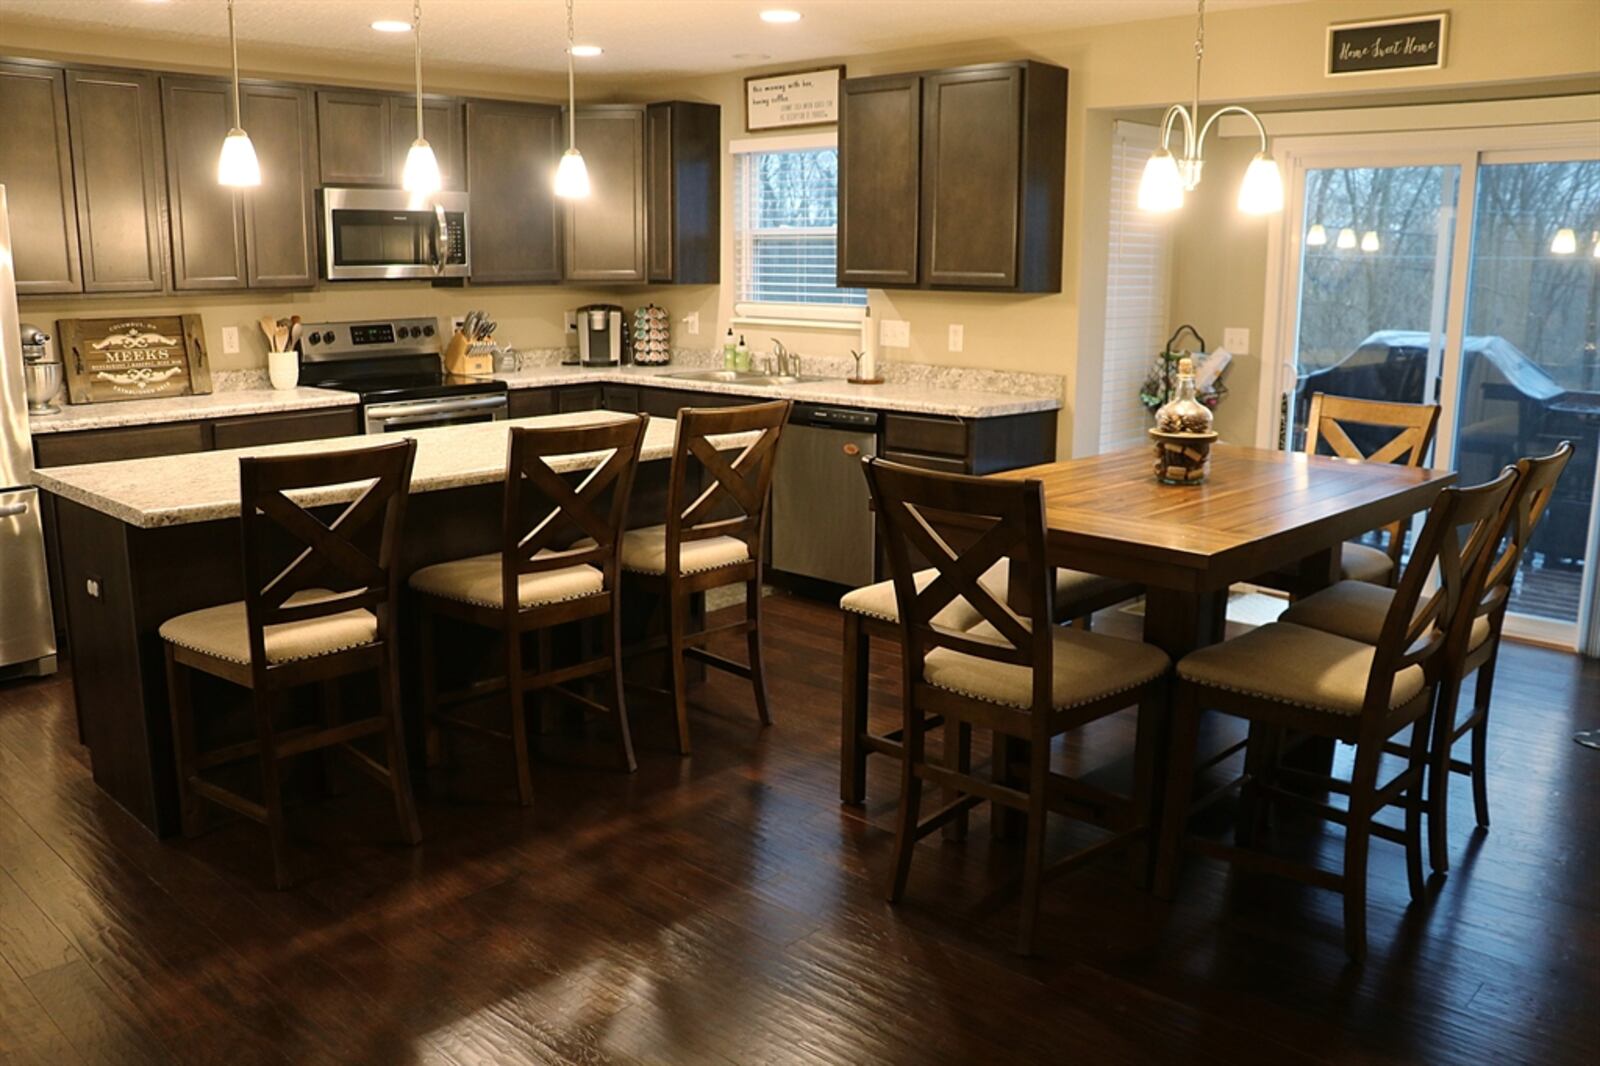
1183 434
652 336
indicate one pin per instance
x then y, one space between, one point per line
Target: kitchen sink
747 377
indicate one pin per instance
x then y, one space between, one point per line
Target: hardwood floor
726 909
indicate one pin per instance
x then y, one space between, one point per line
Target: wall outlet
1237 340
691 323
570 318
894 333
957 337
230 340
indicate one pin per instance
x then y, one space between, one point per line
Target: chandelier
1167 177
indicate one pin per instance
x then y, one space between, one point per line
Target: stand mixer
41 372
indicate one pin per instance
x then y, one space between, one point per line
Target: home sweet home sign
1415 42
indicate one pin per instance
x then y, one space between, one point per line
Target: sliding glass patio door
1466 276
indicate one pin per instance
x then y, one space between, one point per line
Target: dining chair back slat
713 496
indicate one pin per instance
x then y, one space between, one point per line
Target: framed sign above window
792 101
1414 42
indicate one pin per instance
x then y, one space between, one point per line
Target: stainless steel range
394 365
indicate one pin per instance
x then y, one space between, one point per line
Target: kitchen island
144 540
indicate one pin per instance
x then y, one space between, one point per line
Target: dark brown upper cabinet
512 154
363 137
984 211
36 169
605 231
880 138
117 177
683 157
225 238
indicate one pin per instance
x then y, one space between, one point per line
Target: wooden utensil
269 326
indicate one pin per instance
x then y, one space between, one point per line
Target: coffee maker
601 339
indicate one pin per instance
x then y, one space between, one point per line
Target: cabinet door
879 141
441 125
257 430
512 152
605 232
971 177
280 215
355 139
683 157
658 220
116 162
207 219
36 169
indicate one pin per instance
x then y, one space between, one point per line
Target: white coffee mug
283 368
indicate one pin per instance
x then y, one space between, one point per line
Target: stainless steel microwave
390 233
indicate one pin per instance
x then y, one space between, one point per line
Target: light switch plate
571 320
894 333
691 323
1237 340
958 336
230 340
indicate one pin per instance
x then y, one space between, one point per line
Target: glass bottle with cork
1183 433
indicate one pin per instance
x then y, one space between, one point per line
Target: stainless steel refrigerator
27 631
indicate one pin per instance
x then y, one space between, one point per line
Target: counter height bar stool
714 535
558 563
319 605
1283 676
1014 672
1356 610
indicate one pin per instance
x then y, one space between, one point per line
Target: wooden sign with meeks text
133 358
1411 42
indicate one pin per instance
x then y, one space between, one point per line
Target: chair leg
1358 833
677 665
619 704
1003 821
519 718
428 666
405 807
328 710
271 792
1033 846
853 714
1415 800
758 676
957 757
1480 741
1148 750
1180 784
1438 785
180 698
905 837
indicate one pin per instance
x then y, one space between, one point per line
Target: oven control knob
408 331
427 331
327 337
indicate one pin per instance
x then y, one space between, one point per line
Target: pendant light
1347 239
1565 242
572 176
421 173
1167 177
237 165
1369 241
1317 235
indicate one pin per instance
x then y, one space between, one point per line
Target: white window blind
1137 280
786 216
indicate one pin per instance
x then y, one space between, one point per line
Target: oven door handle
390 412
439 240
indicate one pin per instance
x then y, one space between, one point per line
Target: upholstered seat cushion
1356 609
477 581
645 551
1087 667
223 633
1363 562
1296 665
1072 587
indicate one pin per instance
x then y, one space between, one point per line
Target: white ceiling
640 36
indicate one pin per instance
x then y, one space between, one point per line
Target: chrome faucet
788 363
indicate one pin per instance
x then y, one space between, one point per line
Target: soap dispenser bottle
729 351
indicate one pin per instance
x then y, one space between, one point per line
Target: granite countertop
906 397
177 489
225 404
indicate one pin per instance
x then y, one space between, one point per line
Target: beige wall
1271 56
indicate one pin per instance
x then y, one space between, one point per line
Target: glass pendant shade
237 164
1596 252
1369 241
421 173
1347 238
1316 236
1161 187
1261 192
572 176
1565 242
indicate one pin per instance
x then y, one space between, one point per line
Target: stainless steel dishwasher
822 524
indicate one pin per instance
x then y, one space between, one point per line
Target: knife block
473 358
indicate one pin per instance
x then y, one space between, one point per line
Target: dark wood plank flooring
726 909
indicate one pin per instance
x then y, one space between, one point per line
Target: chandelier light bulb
237 165
1316 236
1161 187
1565 242
1347 239
1369 241
1261 192
421 173
572 176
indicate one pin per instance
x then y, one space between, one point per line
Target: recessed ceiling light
391 26
780 14
587 51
